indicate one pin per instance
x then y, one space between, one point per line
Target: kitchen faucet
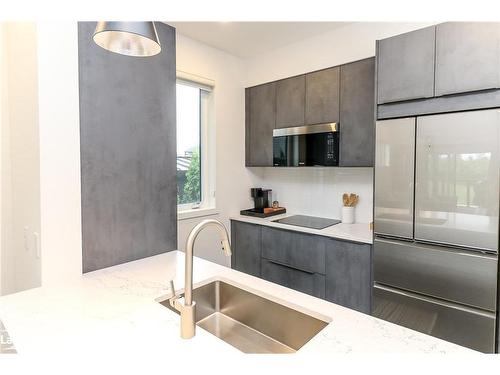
187 307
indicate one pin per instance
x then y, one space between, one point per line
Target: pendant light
128 38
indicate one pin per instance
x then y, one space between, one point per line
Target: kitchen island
117 309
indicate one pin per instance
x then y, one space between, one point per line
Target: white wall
319 191
59 132
20 205
352 42
315 191
232 179
3 120
59 151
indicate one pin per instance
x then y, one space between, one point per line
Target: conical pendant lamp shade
128 38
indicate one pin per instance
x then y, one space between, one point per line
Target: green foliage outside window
190 191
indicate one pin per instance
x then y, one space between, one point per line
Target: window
194 188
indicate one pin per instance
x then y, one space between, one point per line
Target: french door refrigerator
436 225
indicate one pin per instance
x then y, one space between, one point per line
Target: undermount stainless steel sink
251 323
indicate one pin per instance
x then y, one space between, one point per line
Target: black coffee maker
261 198
262 204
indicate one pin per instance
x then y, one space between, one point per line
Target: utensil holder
347 215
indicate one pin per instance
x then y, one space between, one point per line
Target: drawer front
302 251
464 277
303 281
472 328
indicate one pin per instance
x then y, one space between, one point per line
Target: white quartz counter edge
116 309
359 232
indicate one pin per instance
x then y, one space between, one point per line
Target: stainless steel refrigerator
436 225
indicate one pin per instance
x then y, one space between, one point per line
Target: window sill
196 212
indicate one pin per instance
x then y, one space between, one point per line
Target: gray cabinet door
406 66
290 102
246 247
349 275
322 96
357 113
467 57
260 119
307 282
303 251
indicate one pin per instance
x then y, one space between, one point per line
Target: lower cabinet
349 275
294 278
246 247
300 250
335 270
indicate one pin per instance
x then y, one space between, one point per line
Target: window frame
207 147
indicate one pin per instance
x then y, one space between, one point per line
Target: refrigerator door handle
384 236
439 302
479 250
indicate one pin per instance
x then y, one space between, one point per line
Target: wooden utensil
350 200
345 199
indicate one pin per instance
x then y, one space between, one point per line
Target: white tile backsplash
318 191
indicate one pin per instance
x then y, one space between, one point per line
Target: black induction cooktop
308 221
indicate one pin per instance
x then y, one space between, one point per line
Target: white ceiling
248 39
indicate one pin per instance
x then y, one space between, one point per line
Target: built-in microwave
306 146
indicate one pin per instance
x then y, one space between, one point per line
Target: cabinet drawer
307 282
302 251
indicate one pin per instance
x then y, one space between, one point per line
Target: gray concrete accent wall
128 151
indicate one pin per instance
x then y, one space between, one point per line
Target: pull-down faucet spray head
226 246
187 307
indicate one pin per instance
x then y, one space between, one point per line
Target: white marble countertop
358 232
117 309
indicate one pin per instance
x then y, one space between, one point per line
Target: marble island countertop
116 308
358 232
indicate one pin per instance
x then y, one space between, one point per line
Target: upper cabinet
290 102
406 66
322 96
357 128
260 102
453 66
467 57
341 94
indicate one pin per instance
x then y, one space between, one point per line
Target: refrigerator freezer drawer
463 326
463 277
